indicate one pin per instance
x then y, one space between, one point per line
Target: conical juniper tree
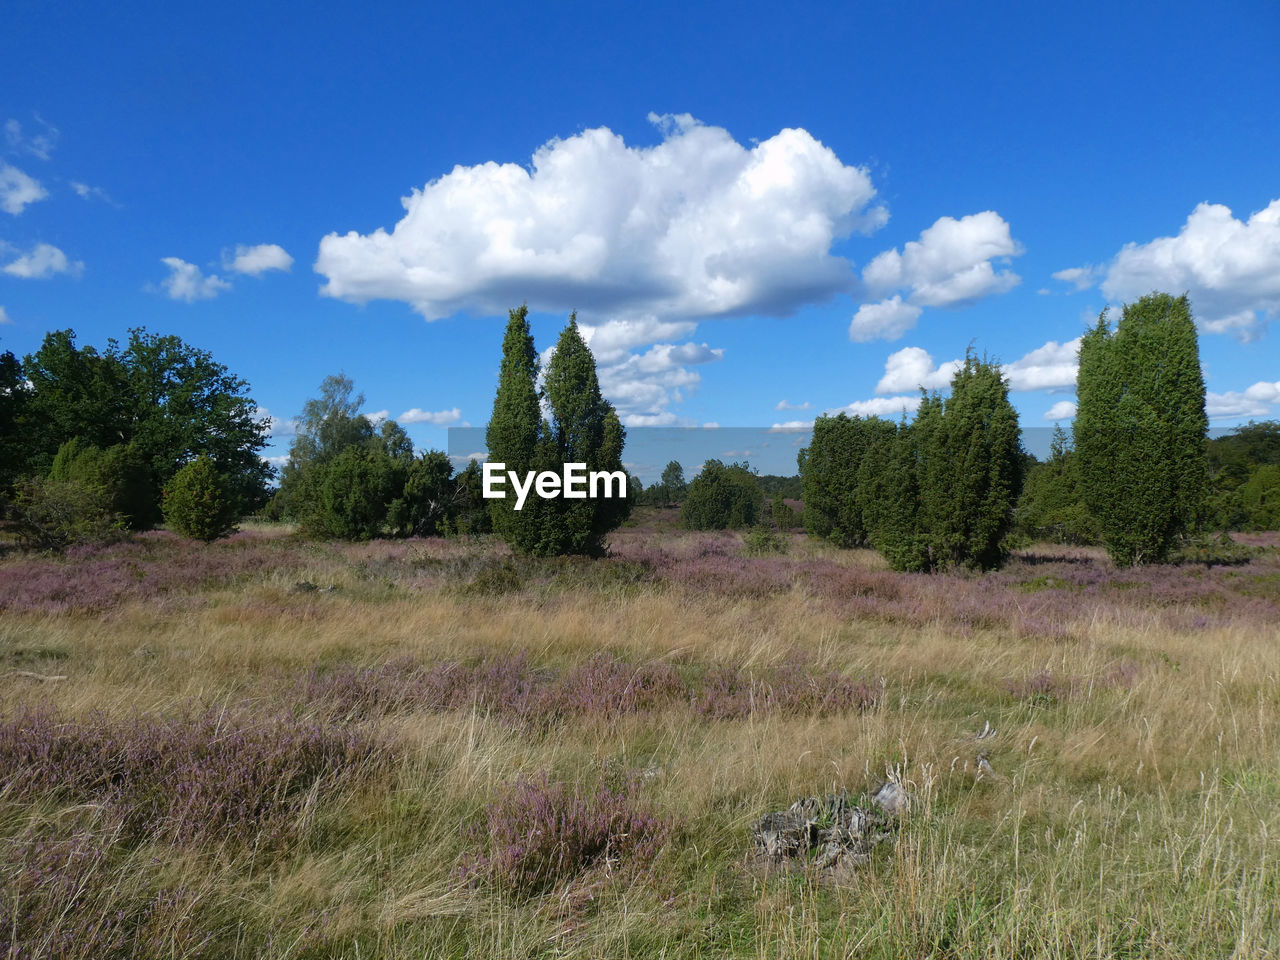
584 428
581 427
1140 427
834 503
889 487
940 492
514 428
971 464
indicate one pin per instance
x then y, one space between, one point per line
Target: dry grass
1134 813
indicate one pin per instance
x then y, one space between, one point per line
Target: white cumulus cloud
186 282
1050 367
880 407
1229 267
4 317
951 265
696 226
783 405
44 260
1062 410
440 418
258 259
912 368
886 320
1255 401
17 189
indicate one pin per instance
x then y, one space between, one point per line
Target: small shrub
494 579
761 541
186 780
537 834
1220 551
196 503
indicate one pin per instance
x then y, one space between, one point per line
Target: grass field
445 751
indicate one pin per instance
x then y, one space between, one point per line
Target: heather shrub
196 502
602 687
61 896
51 514
536 835
186 780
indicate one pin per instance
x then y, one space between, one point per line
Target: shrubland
270 747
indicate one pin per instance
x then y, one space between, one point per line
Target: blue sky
760 211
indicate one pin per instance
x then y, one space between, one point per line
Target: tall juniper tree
584 428
1140 427
515 426
972 469
580 427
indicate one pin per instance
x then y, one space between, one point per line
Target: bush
118 472
53 514
353 494
721 498
538 834
197 504
1260 498
760 541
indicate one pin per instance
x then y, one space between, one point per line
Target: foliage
15 438
721 497
1052 506
515 425
1213 551
165 400
471 514
784 518
428 499
834 506
1237 461
582 428
889 487
53 514
118 473
971 469
1140 428
328 425
197 503
673 486
760 541
1260 498
353 494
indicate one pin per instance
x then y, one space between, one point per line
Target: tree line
97 443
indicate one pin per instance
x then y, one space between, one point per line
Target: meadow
269 747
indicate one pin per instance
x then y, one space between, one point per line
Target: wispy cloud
44 260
